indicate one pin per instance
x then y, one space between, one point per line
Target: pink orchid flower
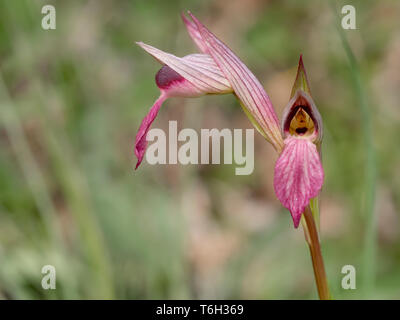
298 175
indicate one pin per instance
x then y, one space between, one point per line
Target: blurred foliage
71 100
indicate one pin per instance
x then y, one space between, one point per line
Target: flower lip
301 118
298 175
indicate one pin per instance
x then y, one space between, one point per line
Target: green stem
316 255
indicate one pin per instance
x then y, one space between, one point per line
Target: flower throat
301 123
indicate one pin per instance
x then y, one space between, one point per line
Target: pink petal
175 85
140 141
199 69
194 34
298 175
245 85
171 84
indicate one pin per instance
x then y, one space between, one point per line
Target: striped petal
199 69
194 34
140 140
245 85
298 175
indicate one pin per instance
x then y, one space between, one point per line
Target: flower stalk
312 238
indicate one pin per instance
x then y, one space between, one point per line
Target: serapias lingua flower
298 173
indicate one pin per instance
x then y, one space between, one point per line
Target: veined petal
174 85
194 34
171 84
298 175
245 85
199 69
140 141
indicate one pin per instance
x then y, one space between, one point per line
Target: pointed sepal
301 82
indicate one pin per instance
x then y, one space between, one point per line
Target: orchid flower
298 173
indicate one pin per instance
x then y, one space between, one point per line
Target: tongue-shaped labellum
171 84
298 175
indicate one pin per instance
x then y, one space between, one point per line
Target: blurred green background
71 101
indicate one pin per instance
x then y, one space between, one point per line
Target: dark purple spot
301 130
165 76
